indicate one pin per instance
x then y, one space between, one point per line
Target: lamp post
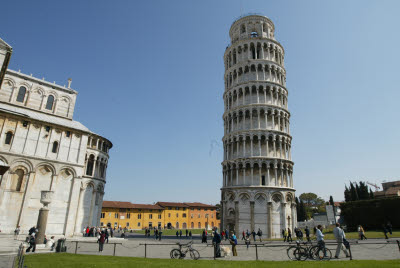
45 199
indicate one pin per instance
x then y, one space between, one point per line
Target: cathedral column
259 145
244 147
276 174
268 178
274 145
251 145
252 174
244 175
260 171
237 175
252 225
237 218
269 221
273 119
258 118
283 210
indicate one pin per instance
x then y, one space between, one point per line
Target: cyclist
320 237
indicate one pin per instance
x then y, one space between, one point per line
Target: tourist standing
159 234
284 234
101 241
233 241
180 233
106 234
289 235
247 241
177 234
362 233
308 234
190 234
254 235
16 232
243 236
217 243
340 237
259 233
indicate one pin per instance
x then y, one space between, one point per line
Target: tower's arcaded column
257 191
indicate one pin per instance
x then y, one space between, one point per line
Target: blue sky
150 78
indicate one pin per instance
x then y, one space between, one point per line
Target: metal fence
254 251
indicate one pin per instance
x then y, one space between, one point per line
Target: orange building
162 214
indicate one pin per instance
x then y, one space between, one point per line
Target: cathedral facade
46 150
257 190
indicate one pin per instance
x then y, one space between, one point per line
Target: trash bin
61 245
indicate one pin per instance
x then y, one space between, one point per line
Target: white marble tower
257 191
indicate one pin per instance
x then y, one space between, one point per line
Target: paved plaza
267 250
133 246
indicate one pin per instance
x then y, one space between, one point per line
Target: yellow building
162 214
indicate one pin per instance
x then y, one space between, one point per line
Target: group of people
217 240
50 243
157 233
96 231
246 236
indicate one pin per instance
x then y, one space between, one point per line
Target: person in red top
101 241
87 231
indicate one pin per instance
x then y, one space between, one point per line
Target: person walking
32 243
340 237
320 238
259 233
159 234
187 233
180 233
247 242
289 235
385 231
284 235
362 233
190 234
106 235
254 235
233 241
16 232
300 232
389 227
101 241
243 236
217 243
308 234
203 237
177 234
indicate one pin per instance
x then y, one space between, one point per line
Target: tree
312 204
331 201
302 214
297 206
353 193
347 196
371 194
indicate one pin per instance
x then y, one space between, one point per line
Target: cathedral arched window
9 136
90 165
21 94
50 102
17 180
55 147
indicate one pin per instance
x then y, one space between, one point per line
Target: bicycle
299 252
179 254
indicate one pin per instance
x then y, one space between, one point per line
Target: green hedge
371 214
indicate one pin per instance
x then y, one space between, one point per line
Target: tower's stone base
252 208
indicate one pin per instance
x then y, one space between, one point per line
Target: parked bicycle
308 251
181 254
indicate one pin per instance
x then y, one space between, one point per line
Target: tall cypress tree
297 206
347 196
353 192
357 191
331 201
302 212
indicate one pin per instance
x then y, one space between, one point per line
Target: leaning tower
257 191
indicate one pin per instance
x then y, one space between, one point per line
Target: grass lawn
72 260
369 234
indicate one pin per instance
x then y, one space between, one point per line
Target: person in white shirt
339 236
